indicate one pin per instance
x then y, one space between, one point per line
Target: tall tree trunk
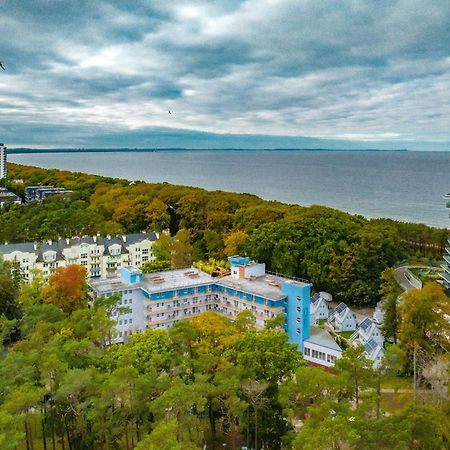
67 432
256 428
212 426
44 440
27 437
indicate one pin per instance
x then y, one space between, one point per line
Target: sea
402 185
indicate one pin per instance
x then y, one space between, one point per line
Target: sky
233 74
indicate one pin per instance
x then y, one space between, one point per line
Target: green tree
390 292
356 368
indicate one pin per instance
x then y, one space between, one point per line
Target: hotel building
160 300
3 161
103 257
445 274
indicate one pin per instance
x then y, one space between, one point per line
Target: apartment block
160 300
40 193
3 161
103 257
445 274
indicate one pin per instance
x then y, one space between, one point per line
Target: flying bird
1 65
169 111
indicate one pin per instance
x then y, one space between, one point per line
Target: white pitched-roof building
369 330
344 319
319 308
374 351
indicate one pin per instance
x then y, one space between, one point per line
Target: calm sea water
405 186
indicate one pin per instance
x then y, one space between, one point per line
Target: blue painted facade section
297 312
238 260
131 276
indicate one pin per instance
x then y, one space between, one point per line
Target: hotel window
145 251
298 320
299 309
299 299
298 331
307 351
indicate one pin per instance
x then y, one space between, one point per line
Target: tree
390 292
9 305
356 368
157 215
235 243
155 266
266 355
254 391
67 288
181 250
424 321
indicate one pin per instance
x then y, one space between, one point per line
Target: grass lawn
397 383
345 334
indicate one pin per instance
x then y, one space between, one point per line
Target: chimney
124 237
35 246
49 242
108 236
67 241
95 238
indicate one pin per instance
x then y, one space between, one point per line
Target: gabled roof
366 324
315 298
341 308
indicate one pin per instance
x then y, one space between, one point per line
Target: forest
338 252
207 383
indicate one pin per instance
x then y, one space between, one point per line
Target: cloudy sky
255 73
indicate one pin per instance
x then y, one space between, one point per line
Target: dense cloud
84 73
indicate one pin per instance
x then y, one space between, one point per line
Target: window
145 251
298 320
299 299
125 322
131 321
299 309
307 351
298 331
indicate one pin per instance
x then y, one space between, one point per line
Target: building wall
297 311
3 161
320 355
98 263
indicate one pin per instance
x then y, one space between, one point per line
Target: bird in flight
1 65
169 111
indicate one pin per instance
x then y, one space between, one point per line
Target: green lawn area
321 322
397 383
345 334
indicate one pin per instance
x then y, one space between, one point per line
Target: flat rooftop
268 286
321 337
158 281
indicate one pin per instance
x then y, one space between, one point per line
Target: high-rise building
445 275
2 161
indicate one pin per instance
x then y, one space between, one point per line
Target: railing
281 275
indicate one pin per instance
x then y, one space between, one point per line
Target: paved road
404 278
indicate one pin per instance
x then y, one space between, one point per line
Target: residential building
321 348
445 274
40 193
103 257
319 308
374 351
8 198
344 319
160 300
3 161
367 330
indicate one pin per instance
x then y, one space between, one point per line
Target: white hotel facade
103 257
3 161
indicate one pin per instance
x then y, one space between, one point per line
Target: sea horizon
401 185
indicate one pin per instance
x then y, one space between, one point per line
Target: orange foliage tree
67 288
